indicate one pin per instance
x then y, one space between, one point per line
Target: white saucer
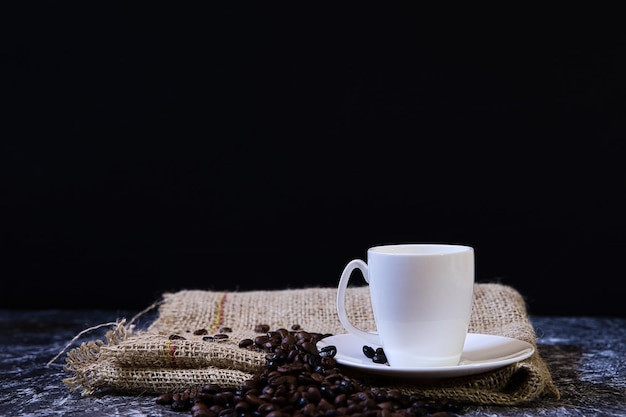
481 353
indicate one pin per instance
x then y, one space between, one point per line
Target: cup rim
420 249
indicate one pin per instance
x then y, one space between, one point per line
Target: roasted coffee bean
249 386
317 377
201 410
226 329
165 399
262 328
368 351
253 400
328 351
211 388
260 340
176 337
308 347
220 336
379 356
200 332
245 343
282 332
327 362
227 412
208 338
288 340
223 398
181 401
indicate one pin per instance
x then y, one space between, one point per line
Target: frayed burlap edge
83 361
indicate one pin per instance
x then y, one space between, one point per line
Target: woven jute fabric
172 354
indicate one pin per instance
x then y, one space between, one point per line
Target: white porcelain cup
421 297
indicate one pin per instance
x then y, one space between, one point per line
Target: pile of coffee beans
300 380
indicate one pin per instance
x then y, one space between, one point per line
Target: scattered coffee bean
176 337
165 399
226 330
208 339
200 332
379 356
295 327
220 336
368 351
262 328
300 380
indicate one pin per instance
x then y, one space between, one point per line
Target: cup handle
341 299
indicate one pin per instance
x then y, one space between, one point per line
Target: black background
242 146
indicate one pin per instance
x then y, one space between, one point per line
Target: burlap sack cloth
150 362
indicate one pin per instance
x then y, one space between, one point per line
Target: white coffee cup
421 297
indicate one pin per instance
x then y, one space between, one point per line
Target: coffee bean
227 412
165 399
200 332
211 388
368 351
379 358
328 362
260 340
308 347
262 328
328 351
245 343
253 400
317 377
200 409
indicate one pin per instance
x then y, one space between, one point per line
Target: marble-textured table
586 355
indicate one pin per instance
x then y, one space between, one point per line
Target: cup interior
420 249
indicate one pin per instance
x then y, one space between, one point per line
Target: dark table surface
586 355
